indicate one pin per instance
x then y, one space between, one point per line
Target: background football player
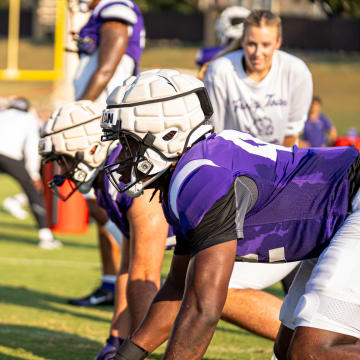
229 26
110 45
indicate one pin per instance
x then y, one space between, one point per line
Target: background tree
339 8
184 6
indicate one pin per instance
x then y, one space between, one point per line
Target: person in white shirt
256 88
19 158
260 89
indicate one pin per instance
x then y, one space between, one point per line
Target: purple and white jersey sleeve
125 11
116 10
303 194
199 194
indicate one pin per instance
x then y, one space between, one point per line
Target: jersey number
259 147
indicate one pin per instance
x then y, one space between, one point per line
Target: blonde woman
260 89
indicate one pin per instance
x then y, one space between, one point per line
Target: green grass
35 321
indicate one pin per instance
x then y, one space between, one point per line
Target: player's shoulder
225 63
122 10
195 186
291 63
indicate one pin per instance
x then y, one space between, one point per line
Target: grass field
35 321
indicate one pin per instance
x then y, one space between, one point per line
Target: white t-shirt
270 109
19 139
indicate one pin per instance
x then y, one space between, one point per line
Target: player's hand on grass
108 352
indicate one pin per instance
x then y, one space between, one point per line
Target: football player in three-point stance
72 138
231 197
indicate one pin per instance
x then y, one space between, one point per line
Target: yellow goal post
12 71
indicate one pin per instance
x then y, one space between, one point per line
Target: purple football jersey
206 54
115 204
118 10
303 193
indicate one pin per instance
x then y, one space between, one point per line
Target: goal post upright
12 71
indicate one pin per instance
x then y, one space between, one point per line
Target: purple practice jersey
303 194
206 54
125 11
115 204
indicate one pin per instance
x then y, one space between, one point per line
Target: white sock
109 278
274 357
108 282
114 231
21 198
45 234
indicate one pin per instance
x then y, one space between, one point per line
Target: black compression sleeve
130 351
223 222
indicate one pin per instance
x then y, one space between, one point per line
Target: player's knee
143 273
150 283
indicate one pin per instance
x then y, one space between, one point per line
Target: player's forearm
200 324
139 305
158 322
121 321
96 85
202 304
120 325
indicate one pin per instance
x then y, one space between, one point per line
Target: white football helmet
156 116
73 132
230 24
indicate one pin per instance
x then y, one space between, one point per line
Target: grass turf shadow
23 296
45 343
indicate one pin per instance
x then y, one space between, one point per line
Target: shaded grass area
35 320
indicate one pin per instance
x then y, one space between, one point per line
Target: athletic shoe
14 208
50 244
98 297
